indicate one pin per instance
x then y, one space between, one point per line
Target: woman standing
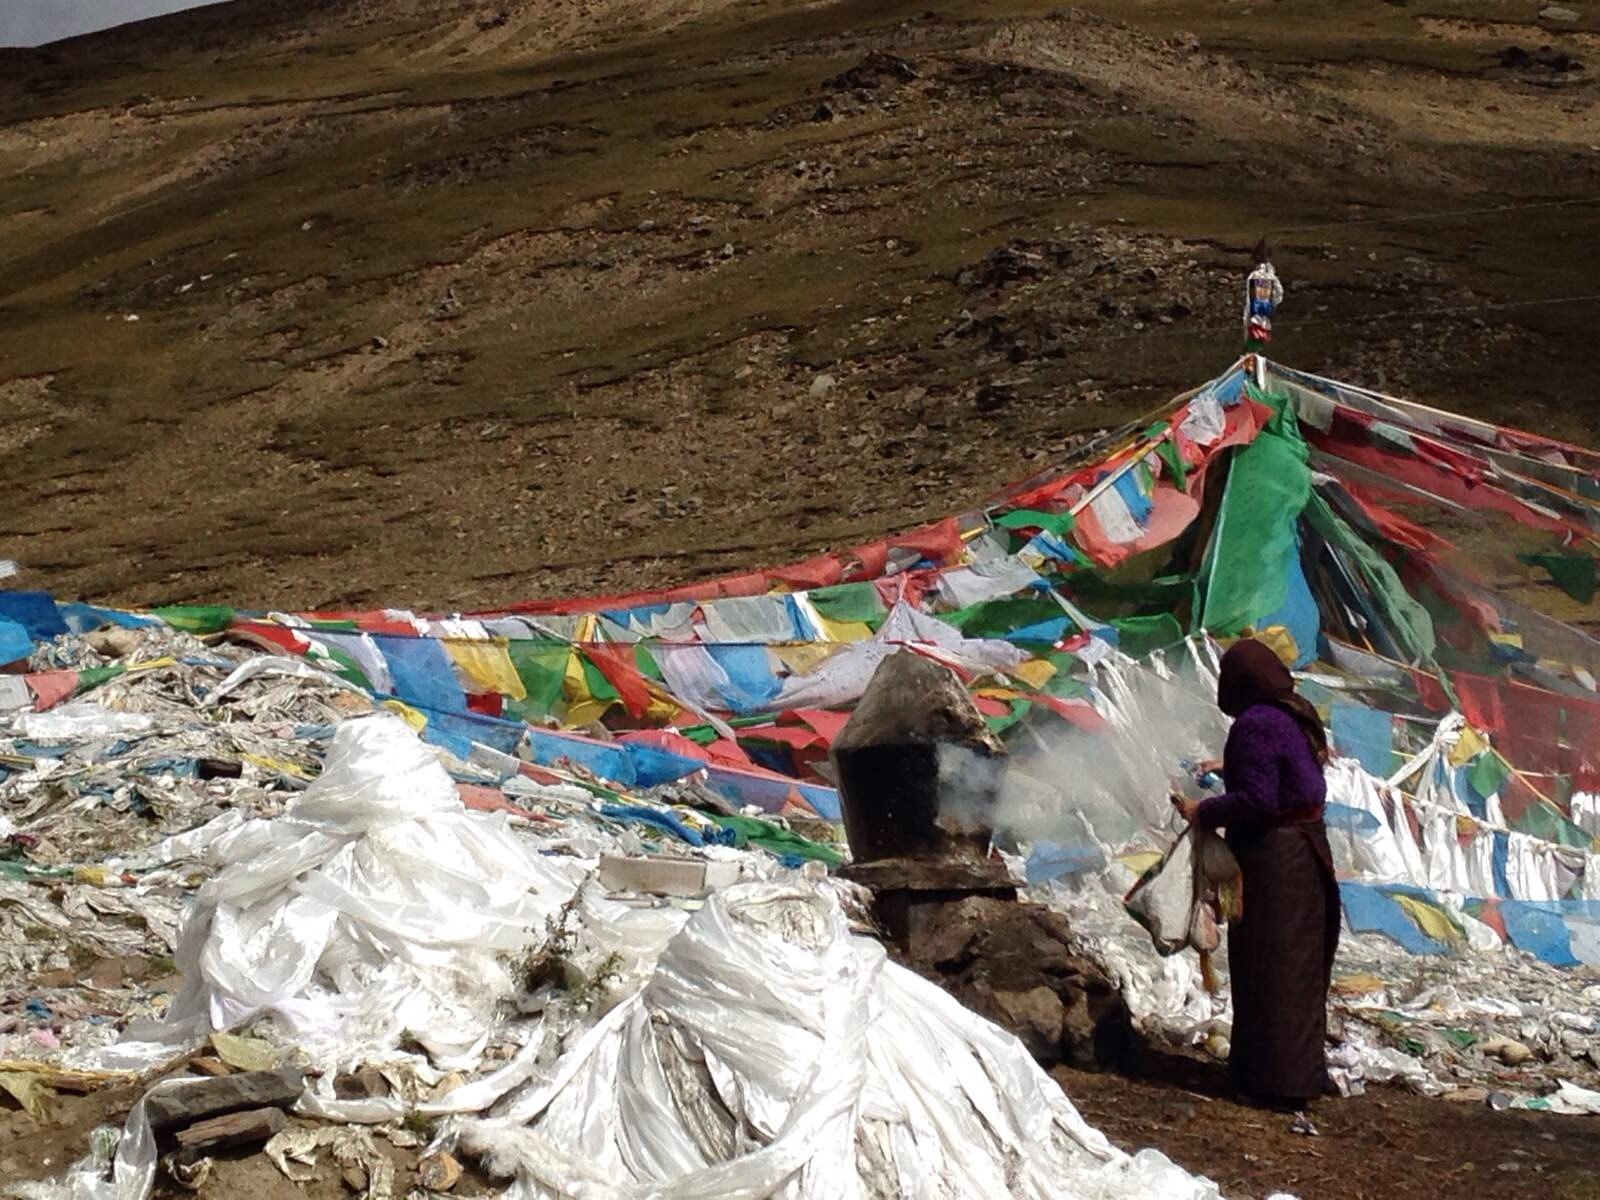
1280 953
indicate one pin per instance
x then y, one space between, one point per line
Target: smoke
969 786
1069 786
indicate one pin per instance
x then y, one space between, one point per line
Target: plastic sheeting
377 903
772 1054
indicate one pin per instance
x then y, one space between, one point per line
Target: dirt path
1388 1143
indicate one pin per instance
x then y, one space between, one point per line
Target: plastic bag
1182 899
81 720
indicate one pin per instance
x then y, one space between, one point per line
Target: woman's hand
1209 766
1188 809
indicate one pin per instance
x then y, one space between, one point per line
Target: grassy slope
605 252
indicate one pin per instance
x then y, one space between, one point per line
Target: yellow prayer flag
1281 642
663 707
801 657
844 631
1434 922
1468 746
409 715
1036 672
153 664
488 665
1140 861
584 712
582 706
281 766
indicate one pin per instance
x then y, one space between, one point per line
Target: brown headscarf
1253 674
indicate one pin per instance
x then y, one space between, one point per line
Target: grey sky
34 22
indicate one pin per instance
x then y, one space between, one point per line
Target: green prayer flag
1139 637
542 667
1540 820
1144 477
1176 467
848 602
1249 559
93 677
1058 524
199 619
1488 774
998 618
347 668
774 839
1064 686
594 679
646 662
1573 573
1408 621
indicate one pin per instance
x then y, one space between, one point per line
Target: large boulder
1014 964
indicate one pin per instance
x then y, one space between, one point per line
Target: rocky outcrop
1012 962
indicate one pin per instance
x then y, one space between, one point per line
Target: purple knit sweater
1270 772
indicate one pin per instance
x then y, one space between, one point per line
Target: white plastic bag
1183 899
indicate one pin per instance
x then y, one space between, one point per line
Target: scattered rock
439 1172
247 1128
875 70
113 643
208 1098
994 396
1186 43
1512 1053
1471 1095
1036 1016
1558 12
365 1084
191 1176
246 1053
449 307
1013 261
1545 59
822 385
213 1067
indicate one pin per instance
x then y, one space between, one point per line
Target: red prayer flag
621 673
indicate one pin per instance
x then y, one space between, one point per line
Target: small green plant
418 1123
549 964
591 991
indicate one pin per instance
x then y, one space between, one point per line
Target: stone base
911 895
927 875
1012 962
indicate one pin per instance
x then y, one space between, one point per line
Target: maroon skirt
1280 960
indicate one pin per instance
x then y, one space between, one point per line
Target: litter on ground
555 881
